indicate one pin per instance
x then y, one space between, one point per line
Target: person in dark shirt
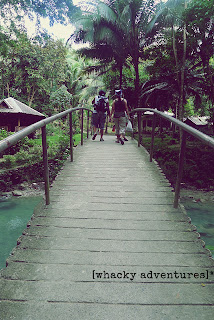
120 110
99 116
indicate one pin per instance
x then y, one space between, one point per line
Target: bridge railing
185 129
13 139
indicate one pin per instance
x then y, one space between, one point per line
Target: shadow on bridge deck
110 246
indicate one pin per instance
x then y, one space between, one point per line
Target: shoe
125 139
94 136
121 141
101 139
117 141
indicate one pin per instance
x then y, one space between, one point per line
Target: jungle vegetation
161 53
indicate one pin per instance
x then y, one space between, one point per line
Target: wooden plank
109 246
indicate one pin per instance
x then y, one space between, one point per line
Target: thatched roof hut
14 115
199 123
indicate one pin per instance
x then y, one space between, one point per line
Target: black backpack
101 105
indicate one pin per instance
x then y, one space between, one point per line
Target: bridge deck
110 246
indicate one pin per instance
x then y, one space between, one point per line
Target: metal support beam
153 137
82 127
87 124
180 169
132 122
139 128
71 136
45 162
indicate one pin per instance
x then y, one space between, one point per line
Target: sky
58 30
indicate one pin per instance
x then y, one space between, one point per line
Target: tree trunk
177 70
31 97
210 77
8 90
137 82
181 104
121 75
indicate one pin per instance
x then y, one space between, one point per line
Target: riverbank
197 195
24 189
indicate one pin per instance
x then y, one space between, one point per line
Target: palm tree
169 15
100 28
82 86
104 59
163 91
116 30
200 27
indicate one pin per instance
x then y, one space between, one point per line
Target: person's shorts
99 119
120 125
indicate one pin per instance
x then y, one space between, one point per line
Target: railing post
87 124
139 127
71 136
153 137
132 122
82 127
45 163
180 168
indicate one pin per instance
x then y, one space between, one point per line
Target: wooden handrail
185 129
13 139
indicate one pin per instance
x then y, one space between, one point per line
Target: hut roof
199 121
11 105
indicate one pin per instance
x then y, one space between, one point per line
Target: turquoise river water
16 212
202 216
14 215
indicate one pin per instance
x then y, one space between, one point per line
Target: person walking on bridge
101 108
120 110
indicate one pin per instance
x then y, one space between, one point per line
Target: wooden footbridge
109 246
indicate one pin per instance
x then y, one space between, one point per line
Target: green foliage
111 80
61 99
28 165
32 69
29 151
181 55
200 27
24 144
189 107
4 134
9 161
40 70
111 40
26 153
199 160
57 11
54 129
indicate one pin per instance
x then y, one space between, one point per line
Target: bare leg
95 133
101 134
95 129
124 138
